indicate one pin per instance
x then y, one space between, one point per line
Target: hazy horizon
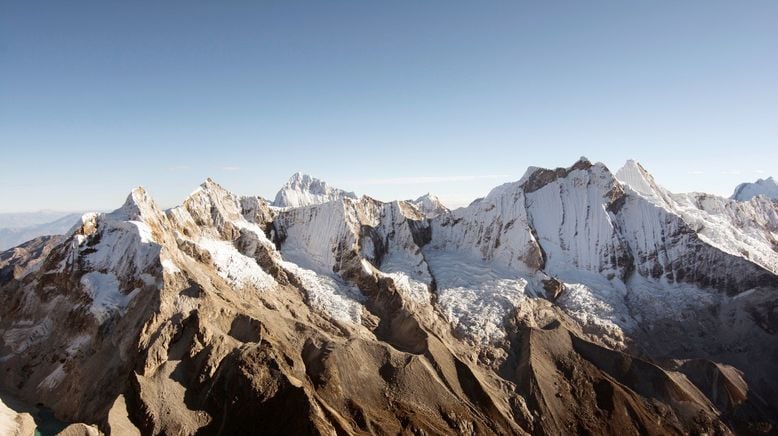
403 181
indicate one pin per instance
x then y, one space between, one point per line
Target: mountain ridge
508 311
766 187
304 190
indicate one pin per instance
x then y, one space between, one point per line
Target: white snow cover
410 275
125 247
169 266
474 295
494 229
106 296
317 238
329 294
208 211
412 285
403 261
735 227
485 257
314 235
239 270
578 225
120 242
611 308
766 187
310 249
304 190
639 180
430 205
572 224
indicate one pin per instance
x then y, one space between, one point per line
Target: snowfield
475 296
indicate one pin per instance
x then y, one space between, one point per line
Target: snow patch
610 308
54 379
410 275
124 247
329 294
107 298
598 305
413 289
476 297
238 269
170 267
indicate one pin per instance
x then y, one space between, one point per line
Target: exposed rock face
524 313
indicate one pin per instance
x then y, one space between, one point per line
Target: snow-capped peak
746 191
138 204
430 205
535 178
572 261
304 190
637 178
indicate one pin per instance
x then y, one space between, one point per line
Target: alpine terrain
746 191
573 301
18 228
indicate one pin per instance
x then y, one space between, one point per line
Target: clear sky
391 99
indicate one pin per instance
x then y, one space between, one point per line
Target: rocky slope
571 301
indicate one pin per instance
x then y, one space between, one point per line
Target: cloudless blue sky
391 99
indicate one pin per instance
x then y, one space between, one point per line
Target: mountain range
765 187
575 300
18 228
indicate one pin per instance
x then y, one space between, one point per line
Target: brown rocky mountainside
569 302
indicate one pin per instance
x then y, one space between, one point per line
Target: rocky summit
573 301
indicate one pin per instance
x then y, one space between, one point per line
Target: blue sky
391 99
